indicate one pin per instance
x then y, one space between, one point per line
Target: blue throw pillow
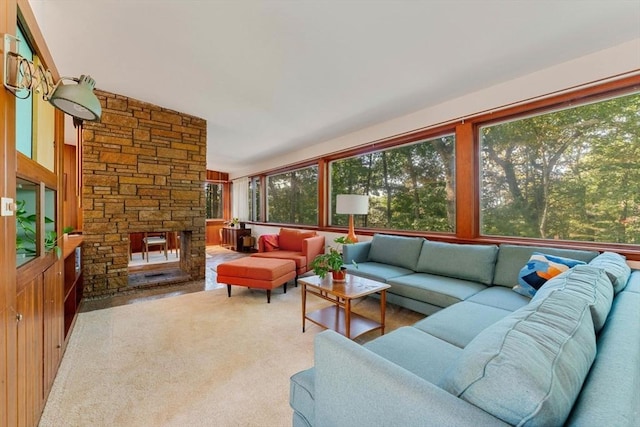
540 268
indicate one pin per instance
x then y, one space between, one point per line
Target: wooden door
30 354
53 323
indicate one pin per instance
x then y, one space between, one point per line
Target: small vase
339 275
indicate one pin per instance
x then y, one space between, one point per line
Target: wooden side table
338 316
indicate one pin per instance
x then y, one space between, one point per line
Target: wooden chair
155 239
176 243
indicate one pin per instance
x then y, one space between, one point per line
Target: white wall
624 58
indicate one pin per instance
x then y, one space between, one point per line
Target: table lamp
352 204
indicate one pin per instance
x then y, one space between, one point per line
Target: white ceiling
274 76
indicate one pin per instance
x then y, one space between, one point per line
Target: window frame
264 194
398 144
467 166
521 117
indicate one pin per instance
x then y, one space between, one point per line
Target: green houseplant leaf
26 243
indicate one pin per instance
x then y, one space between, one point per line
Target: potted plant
26 241
329 262
345 240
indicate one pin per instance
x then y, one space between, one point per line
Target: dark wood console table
232 237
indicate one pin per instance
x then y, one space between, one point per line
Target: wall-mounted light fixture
22 77
77 100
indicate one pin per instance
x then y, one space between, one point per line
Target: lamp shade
352 204
77 100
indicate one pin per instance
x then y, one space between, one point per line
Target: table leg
383 308
347 317
304 305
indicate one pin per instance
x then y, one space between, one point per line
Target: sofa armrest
312 247
354 386
358 252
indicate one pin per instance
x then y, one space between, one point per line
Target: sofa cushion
461 322
436 290
300 260
616 267
395 250
540 268
468 262
511 258
291 240
377 271
418 352
589 283
528 368
500 297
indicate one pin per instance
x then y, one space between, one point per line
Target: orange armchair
299 246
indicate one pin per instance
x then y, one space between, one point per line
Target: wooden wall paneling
70 203
4 395
217 176
213 232
8 330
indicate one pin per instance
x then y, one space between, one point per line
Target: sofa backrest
589 283
291 240
466 262
511 259
609 396
633 284
395 250
615 266
528 368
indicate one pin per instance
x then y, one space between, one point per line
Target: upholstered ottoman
259 273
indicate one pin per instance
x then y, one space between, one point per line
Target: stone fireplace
144 169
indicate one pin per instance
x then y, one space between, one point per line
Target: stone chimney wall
144 169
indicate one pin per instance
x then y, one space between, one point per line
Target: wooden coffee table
338 316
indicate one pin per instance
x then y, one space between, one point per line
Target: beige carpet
200 359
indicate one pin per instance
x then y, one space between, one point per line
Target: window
24 105
26 221
292 197
214 200
411 187
571 174
34 117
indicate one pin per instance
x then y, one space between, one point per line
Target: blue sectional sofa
486 355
